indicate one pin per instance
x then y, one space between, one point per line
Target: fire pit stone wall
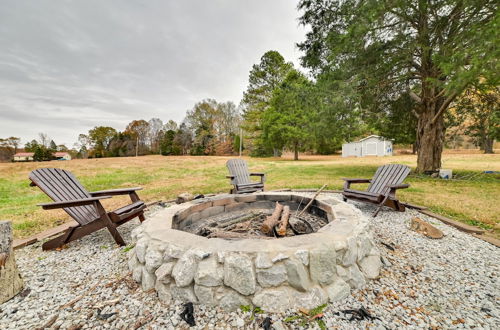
301 271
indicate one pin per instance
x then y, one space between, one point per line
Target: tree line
209 128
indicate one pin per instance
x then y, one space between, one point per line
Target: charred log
272 220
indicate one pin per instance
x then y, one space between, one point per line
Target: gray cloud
67 66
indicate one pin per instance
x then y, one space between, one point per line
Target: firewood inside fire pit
250 223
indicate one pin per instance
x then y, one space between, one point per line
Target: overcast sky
67 66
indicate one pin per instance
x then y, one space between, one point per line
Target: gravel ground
438 284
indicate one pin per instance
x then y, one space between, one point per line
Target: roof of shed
375 136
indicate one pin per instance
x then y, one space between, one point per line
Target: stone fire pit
301 271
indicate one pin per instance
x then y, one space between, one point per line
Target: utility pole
137 146
241 140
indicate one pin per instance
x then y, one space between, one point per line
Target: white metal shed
372 145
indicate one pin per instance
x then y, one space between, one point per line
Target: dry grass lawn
473 198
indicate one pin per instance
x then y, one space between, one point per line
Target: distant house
23 156
28 156
62 156
372 145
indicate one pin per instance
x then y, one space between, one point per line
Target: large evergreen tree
429 49
288 122
263 80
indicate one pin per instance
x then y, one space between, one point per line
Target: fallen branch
115 282
272 220
284 221
107 303
49 323
74 301
312 200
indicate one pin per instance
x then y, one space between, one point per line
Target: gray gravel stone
370 266
262 260
311 299
239 273
272 276
163 272
184 270
230 300
209 273
322 265
147 280
205 294
303 255
298 276
140 249
184 294
153 259
434 283
272 300
338 290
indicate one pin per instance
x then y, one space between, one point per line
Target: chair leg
380 206
109 224
141 217
116 235
73 234
59 241
398 206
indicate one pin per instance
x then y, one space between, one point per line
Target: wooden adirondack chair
240 177
83 206
382 189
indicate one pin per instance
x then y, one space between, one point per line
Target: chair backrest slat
60 185
386 175
239 169
46 180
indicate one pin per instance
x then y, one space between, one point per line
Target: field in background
473 198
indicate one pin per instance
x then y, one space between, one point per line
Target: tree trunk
296 151
11 282
431 140
414 148
488 145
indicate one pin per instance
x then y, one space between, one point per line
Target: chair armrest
75 202
348 181
398 186
113 192
353 180
262 176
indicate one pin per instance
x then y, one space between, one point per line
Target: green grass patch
471 198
